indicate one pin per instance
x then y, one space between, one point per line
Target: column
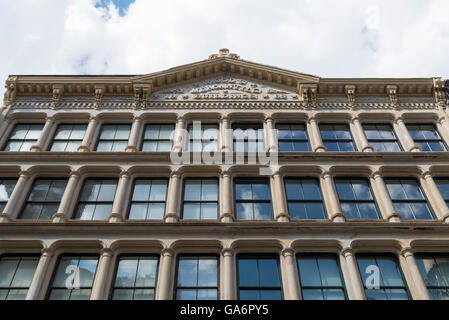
179 135
88 136
227 215
315 138
164 283
172 214
291 280
134 135
104 267
418 281
334 208
353 271
272 140
228 274
403 135
226 135
10 210
279 199
40 145
119 199
360 133
437 201
4 125
39 275
63 211
386 204
444 126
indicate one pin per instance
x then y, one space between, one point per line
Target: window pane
207 273
126 273
147 272
268 273
158 190
209 211
209 190
312 294
123 294
261 191
186 294
308 271
8 267
141 190
330 274
247 271
243 191
192 190
244 211
262 211
270 294
102 211
156 211
187 272
192 211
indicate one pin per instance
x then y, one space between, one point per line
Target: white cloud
347 38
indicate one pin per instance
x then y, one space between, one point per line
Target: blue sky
122 5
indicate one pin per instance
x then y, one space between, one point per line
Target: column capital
224 117
406 252
288 252
228 252
47 252
399 120
125 174
347 252
50 119
426 174
175 173
355 119
312 119
75 174
225 173
268 118
376 174
93 118
180 118
168 252
107 252
441 120
326 174
137 118
25 174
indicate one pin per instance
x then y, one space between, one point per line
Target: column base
446 218
339 217
171 218
36 149
83 149
415 149
5 218
394 218
227 218
59 218
131 149
368 149
320 149
283 217
115 218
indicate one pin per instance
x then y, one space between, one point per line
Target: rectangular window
248 137
204 140
113 137
197 278
23 137
16 274
148 200
337 137
43 201
434 269
96 199
158 138
382 277
382 137
64 285
356 198
408 199
320 277
200 199
135 278
292 137
259 278
6 188
68 137
304 198
443 186
426 136
252 199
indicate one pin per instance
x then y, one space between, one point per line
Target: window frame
433 255
307 141
249 125
352 141
156 140
4 203
401 149
131 201
53 140
435 128
21 256
8 139
270 201
112 140
183 201
190 125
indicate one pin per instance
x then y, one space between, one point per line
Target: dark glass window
252 199
148 200
391 284
434 269
200 199
197 278
408 199
320 277
158 137
96 199
23 137
443 186
113 137
248 137
427 137
43 200
135 278
292 137
356 198
6 188
304 198
337 137
204 140
68 137
382 137
74 278
16 274
259 278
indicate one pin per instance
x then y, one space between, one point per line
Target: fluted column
39 275
63 211
172 214
165 275
45 134
88 136
315 138
418 281
353 271
101 278
290 277
10 211
117 214
407 141
388 211
226 214
279 199
271 135
334 208
228 274
226 138
437 201
179 135
134 135
360 133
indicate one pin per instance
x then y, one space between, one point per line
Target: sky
326 38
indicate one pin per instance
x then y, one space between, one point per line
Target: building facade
96 206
